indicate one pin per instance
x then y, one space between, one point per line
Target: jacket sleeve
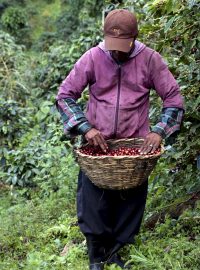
162 80
70 90
77 80
164 83
74 120
170 122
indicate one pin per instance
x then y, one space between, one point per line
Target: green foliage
24 240
68 21
42 20
43 234
12 2
13 122
46 40
12 74
173 30
15 21
15 118
60 60
175 253
176 246
41 163
93 8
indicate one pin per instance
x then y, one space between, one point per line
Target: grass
23 229
43 234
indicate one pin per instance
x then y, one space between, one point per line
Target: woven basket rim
121 157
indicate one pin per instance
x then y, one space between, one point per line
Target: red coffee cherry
121 151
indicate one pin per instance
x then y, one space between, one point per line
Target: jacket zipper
117 103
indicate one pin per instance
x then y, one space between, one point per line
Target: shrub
15 21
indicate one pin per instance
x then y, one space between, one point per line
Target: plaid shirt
75 122
73 118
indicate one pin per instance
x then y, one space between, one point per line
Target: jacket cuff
83 128
159 130
165 132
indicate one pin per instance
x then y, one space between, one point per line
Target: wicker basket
118 172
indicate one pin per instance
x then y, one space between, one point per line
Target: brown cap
120 28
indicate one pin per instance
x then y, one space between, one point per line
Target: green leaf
45 110
169 24
14 179
28 174
191 3
5 129
47 103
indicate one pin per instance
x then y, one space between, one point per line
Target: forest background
40 41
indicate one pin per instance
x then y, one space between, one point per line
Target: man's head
120 30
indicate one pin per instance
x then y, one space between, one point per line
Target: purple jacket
118 103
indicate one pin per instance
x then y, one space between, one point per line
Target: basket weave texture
118 172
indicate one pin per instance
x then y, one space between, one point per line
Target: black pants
110 215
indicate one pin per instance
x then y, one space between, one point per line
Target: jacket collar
139 46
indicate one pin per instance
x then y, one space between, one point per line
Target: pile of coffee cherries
121 151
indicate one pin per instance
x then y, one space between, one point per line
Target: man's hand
94 137
151 143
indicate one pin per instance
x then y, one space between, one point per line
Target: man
120 72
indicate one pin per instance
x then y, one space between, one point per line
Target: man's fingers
103 145
151 143
153 149
95 138
147 149
90 141
145 146
95 141
155 146
101 142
